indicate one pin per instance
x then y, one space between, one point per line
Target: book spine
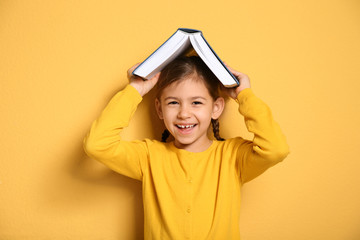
189 30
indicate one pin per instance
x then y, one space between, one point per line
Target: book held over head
180 43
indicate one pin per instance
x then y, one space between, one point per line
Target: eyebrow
192 98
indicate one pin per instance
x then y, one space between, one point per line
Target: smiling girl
191 185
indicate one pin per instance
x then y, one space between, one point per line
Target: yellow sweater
188 195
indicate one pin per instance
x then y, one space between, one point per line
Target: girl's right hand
142 86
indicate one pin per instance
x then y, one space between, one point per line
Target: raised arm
269 144
104 143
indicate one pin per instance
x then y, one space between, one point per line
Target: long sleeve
269 144
104 143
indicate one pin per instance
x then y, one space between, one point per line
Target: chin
184 142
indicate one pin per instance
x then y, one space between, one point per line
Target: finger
135 66
227 65
130 70
233 71
237 74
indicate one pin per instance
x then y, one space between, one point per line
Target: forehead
186 88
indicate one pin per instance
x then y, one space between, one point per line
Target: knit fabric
188 195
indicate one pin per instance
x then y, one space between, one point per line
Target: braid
215 125
165 135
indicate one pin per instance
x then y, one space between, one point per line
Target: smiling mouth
185 126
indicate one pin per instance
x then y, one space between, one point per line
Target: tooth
185 126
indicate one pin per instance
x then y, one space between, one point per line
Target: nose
184 112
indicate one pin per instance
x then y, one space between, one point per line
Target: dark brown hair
182 68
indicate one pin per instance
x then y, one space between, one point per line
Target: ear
218 108
158 108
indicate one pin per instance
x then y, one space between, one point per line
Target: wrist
244 94
138 88
240 89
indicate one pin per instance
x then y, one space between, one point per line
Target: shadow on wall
78 190
83 184
90 171
126 189
90 184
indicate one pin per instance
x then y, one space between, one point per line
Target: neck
194 147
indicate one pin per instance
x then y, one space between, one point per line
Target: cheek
206 114
168 115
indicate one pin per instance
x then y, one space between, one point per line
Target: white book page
167 52
211 60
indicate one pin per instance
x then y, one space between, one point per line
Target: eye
172 103
197 103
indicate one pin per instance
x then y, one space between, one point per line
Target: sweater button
188 210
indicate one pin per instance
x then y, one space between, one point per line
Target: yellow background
61 61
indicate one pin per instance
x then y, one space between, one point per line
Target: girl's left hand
244 83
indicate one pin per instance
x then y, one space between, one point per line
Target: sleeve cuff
248 102
133 93
244 94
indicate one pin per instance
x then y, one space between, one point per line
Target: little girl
191 185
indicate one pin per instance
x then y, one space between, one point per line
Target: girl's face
187 108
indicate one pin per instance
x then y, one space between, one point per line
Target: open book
179 44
